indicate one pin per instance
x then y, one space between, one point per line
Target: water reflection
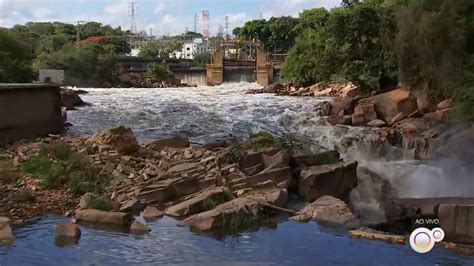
289 244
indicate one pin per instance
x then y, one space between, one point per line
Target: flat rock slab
231 215
330 210
275 196
96 216
398 239
198 203
183 167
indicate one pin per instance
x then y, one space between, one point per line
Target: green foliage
25 196
346 44
228 195
208 204
8 173
100 202
38 45
235 154
261 140
157 72
202 59
162 49
276 35
56 165
87 65
15 59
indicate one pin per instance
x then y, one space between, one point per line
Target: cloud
42 13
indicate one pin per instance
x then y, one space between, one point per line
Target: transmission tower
196 18
226 27
205 24
221 32
131 13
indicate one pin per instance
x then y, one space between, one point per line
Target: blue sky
162 16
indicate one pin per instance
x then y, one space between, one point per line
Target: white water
208 113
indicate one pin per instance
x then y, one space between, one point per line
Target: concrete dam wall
28 111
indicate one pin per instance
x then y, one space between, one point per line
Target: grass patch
228 195
25 196
57 165
208 204
8 173
236 221
262 140
99 202
235 154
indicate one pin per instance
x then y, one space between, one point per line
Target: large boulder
120 138
391 103
70 99
178 142
6 233
67 230
330 210
367 111
326 157
273 88
96 216
232 215
350 90
139 228
457 221
151 213
203 201
332 179
67 234
342 106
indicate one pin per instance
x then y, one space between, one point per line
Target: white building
191 49
55 76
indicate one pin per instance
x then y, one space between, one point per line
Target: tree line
377 44
86 51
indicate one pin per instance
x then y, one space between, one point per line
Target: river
204 114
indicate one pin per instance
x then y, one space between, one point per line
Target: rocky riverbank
402 117
219 187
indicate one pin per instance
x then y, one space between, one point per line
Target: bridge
242 58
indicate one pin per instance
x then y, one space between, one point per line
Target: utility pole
226 27
78 30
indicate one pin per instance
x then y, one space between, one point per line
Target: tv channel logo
422 240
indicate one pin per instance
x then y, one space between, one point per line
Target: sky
163 17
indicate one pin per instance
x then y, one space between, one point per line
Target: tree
345 44
434 48
282 34
14 60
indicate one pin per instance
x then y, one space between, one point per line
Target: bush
99 202
235 154
25 196
57 165
157 72
8 173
